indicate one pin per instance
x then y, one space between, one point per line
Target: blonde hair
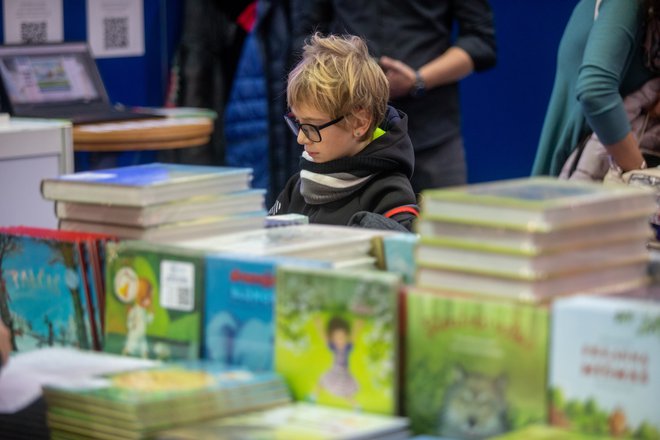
338 76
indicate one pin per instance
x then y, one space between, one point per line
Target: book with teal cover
238 309
336 337
474 368
43 295
141 185
153 301
535 203
605 365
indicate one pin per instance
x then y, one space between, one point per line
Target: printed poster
115 28
32 21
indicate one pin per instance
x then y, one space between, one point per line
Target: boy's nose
302 139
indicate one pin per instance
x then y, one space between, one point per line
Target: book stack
489 259
137 404
535 238
157 202
336 246
298 420
51 287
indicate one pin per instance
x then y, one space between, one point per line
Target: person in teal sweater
601 59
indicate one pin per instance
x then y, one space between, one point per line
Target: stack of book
534 238
489 259
52 287
157 202
336 246
137 404
295 421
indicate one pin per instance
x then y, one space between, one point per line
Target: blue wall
503 108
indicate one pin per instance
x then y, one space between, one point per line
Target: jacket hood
392 151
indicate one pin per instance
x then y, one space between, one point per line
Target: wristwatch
419 88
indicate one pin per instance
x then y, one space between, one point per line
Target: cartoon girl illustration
338 381
139 316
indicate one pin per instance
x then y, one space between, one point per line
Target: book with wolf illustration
45 296
336 337
605 366
474 368
238 309
153 301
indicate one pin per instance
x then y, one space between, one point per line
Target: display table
145 134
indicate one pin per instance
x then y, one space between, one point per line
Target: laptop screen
49 76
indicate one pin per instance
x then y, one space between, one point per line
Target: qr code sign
115 32
33 32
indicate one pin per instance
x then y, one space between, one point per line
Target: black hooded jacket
388 160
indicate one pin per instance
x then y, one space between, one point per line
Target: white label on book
177 285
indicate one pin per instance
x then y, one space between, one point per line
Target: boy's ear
361 121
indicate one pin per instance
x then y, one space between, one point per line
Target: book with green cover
474 368
153 301
535 203
336 337
545 432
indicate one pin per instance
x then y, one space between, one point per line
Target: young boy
358 158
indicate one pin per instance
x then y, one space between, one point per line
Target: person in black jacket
423 60
358 158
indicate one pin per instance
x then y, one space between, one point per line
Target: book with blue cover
238 309
143 185
43 292
153 301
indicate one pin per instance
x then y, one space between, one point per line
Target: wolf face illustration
474 406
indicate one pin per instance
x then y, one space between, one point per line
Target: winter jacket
383 169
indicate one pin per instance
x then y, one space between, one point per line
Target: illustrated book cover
142 185
153 301
45 296
605 366
238 311
474 368
336 337
535 203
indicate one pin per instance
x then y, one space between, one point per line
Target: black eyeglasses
313 132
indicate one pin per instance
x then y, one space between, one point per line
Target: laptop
56 80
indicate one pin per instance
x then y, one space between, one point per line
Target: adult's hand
400 76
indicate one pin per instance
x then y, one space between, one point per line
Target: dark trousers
440 166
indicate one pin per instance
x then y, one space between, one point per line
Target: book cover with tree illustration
43 299
605 366
336 337
474 368
153 301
